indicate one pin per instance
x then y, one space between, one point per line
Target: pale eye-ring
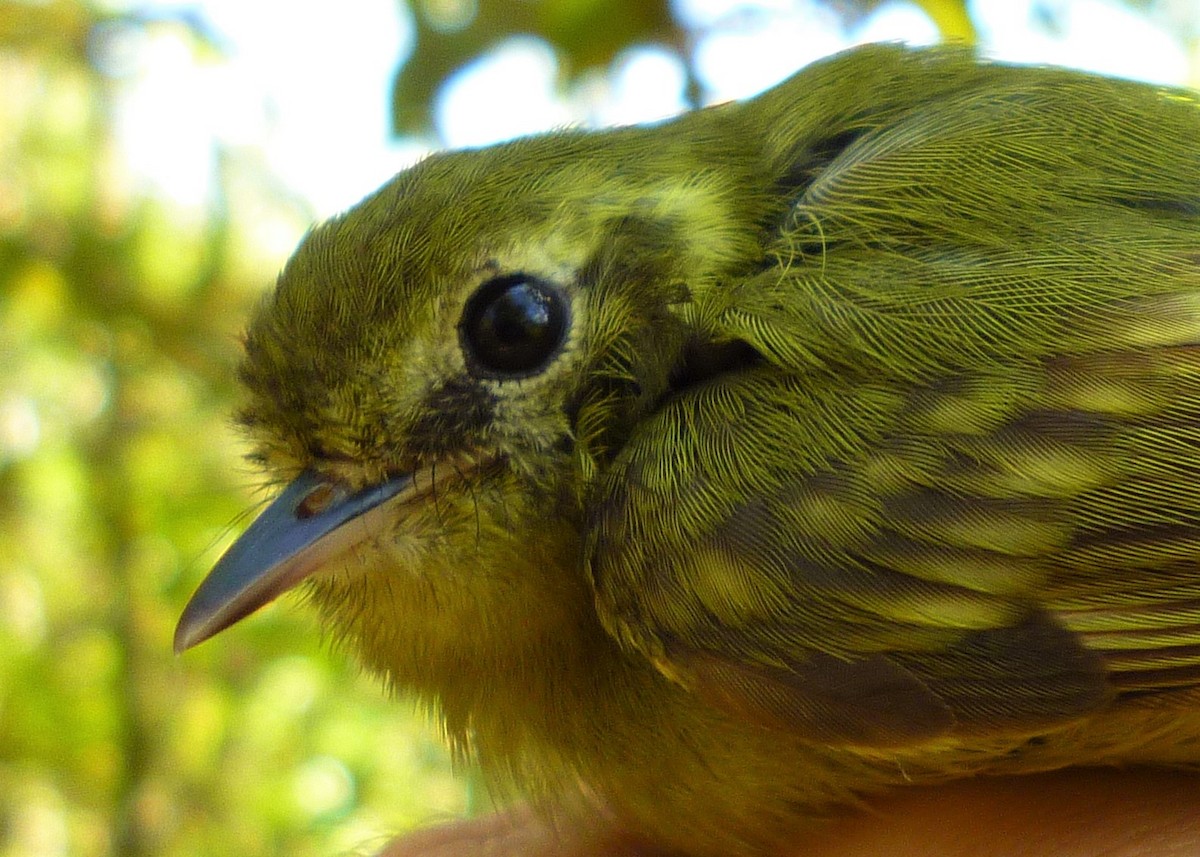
512 326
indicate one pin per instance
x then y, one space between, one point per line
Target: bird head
443 370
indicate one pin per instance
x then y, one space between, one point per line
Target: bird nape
724 472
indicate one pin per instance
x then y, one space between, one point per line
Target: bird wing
956 489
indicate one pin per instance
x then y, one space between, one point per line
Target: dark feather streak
455 408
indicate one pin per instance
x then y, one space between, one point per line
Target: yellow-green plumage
868 454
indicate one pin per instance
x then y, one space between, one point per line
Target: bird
727 472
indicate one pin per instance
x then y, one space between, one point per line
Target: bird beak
294 537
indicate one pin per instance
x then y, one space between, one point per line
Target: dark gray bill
303 528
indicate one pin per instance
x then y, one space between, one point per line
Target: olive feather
725 472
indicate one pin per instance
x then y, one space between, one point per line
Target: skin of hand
734 471
1074 813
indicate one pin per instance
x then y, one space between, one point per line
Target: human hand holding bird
1073 813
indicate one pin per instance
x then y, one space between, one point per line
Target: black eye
513 325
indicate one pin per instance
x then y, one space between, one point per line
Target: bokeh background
158 160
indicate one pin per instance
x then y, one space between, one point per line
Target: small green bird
724 472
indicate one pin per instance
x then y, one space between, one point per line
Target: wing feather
959 491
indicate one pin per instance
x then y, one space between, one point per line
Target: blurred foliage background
121 477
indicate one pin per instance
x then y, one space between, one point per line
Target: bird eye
513 325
